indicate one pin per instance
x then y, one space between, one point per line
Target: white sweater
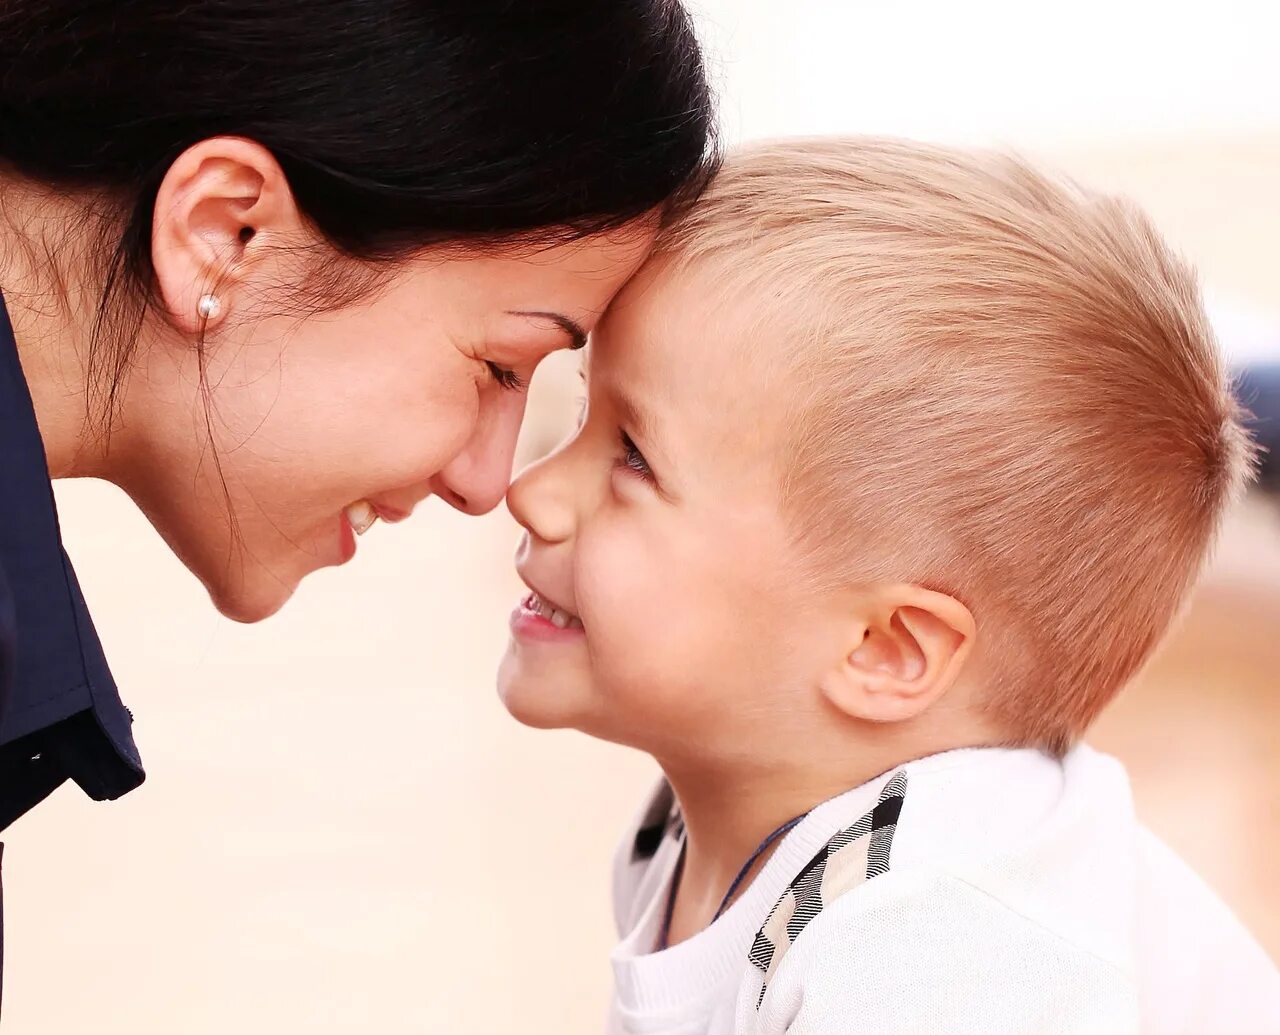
1014 893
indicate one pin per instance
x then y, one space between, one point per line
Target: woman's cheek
411 447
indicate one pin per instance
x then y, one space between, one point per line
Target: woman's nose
476 479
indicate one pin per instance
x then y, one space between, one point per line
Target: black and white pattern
661 820
851 857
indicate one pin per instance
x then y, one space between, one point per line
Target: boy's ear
909 646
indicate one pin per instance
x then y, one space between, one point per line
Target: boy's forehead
682 342
678 326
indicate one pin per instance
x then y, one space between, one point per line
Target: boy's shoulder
970 813
1021 894
999 890
923 950
1201 968
996 883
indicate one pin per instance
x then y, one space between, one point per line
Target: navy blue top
1259 388
60 715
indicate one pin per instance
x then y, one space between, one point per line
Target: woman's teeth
360 516
560 619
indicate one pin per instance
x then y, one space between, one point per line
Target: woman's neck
52 308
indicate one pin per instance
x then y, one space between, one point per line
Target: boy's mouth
558 617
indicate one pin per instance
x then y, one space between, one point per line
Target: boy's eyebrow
637 418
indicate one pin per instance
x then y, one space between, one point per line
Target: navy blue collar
60 714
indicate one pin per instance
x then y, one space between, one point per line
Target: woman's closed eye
508 379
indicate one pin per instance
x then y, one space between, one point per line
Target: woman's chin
248 611
261 578
249 601
241 585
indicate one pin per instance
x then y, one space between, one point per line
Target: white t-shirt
987 890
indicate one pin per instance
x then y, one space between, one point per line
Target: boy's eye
583 399
507 378
632 459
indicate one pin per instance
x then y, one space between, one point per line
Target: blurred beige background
342 831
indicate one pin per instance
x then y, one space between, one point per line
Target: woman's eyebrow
571 327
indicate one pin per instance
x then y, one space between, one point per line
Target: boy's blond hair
1006 389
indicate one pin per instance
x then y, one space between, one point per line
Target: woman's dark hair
400 124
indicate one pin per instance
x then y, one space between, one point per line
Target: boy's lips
558 617
540 618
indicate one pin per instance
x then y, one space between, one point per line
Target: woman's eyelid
506 378
512 364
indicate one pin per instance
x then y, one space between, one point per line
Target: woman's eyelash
509 379
633 459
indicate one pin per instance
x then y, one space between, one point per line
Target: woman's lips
346 540
357 518
360 516
388 514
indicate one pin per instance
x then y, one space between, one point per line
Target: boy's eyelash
632 459
509 379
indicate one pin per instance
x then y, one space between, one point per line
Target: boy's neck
728 816
730 810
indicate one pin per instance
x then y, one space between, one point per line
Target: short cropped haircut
1003 387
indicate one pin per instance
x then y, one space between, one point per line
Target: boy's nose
540 501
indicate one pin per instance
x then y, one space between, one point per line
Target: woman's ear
908 647
221 202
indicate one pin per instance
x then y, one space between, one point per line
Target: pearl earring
209 307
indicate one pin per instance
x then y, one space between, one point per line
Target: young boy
897 464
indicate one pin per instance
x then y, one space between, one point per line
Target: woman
1258 385
279 270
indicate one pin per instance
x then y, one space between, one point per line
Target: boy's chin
541 703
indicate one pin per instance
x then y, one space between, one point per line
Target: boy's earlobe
911 645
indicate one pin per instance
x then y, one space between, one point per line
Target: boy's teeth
560 619
360 516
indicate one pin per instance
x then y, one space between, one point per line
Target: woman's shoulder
60 714
8 638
